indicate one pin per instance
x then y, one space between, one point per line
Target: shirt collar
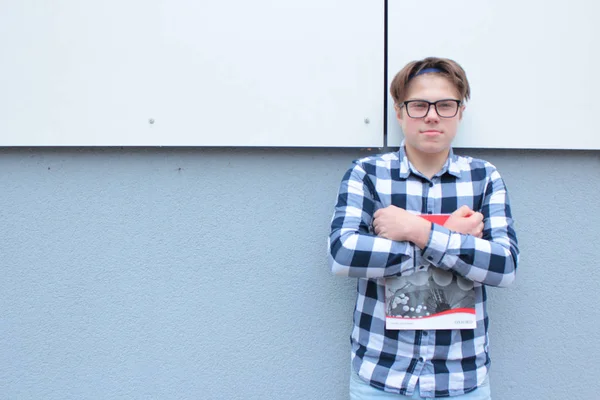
451 166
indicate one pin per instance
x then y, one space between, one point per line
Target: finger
467 211
476 216
475 232
479 230
460 211
463 211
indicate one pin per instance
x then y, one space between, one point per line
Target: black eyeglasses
446 108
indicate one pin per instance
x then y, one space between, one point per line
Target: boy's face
432 134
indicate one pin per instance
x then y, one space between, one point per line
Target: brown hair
449 69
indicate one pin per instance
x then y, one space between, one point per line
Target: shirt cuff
436 247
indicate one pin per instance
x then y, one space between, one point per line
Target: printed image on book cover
430 299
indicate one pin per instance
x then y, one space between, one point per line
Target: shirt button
430 258
421 359
425 334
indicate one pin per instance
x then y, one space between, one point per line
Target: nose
432 115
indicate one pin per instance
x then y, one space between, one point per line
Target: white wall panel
206 73
532 66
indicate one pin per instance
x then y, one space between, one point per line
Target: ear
460 112
398 111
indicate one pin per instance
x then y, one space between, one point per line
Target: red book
430 298
439 219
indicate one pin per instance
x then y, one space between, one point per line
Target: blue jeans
360 390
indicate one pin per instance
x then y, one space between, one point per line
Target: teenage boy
376 234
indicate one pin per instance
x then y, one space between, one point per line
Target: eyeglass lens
444 108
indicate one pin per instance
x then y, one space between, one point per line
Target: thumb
463 211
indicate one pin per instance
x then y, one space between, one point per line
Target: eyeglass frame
429 104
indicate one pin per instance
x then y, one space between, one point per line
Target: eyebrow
433 101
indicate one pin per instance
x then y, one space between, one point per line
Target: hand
466 221
397 224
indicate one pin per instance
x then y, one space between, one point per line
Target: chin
433 148
436 151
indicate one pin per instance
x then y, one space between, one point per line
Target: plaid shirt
444 362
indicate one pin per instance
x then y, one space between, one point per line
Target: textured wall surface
201 273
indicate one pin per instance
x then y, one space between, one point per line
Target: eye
418 105
446 105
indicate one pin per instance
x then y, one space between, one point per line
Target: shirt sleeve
491 260
354 250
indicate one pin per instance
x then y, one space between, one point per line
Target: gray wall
201 273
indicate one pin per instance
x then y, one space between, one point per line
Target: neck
428 164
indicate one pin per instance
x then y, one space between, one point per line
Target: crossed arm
397 224
481 246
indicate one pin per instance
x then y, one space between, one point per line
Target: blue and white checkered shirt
444 362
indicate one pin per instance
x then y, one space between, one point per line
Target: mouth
431 132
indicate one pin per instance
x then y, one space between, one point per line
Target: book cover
439 219
430 298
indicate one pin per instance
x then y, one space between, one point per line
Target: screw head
151 121
367 121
